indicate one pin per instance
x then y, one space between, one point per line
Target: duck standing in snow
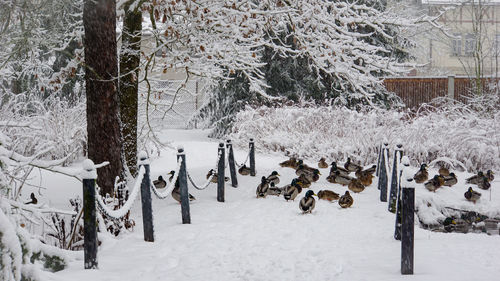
421 175
356 186
433 184
351 166
322 163
244 170
292 190
262 188
346 200
307 203
472 195
450 180
290 163
214 178
274 190
176 192
328 195
273 178
160 183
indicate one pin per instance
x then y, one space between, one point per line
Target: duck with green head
292 190
450 180
335 168
307 203
262 188
472 195
351 166
433 184
160 183
475 179
273 178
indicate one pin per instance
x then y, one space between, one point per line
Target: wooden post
405 173
89 215
451 86
398 153
232 167
379 158
252 158
182 178
407 227
221 173
147 210
382 179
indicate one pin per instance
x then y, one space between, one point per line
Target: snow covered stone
142 158
89 171
180 149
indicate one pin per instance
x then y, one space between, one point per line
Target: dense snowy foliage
455 132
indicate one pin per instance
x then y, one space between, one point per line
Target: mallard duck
262 188
371 170
274 190
443 171
450 179
160 183
244 170
214 178
273 178
304 169
364 176
322 163
314 176
484 183
422 175
303 182
490 175
475 179
351 166
290 163
307 203
335 168
328 195
433 184
33 200
339 178
472 195
346 200
356 186
176 194
292 190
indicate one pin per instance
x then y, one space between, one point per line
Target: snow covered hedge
455 131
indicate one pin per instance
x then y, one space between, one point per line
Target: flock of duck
306 175
445 178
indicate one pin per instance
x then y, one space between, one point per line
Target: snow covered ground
246 238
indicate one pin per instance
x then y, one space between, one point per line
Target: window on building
470 44
456 44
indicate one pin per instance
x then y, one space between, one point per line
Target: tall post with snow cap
252 157
379 158
407 226
147 210
221 173
186 215
405 173
232 167
382 179
396 169
89 215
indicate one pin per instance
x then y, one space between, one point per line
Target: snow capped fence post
147 211
89 215
186 216
230 159
382 179
405 173
398 154
407 226
252 157
379 158
220 173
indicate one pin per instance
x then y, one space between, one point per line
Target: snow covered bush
453 131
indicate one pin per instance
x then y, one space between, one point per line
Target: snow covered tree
101 71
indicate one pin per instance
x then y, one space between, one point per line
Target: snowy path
268 239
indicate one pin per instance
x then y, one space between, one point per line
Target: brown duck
335 168
450 180
475 179
356 186
303 182
244 170
433 184
422 175
339 178
346 200
364 176
443 171
214 178
290 163
351 166
322 163
328 195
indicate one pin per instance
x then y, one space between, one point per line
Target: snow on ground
246 238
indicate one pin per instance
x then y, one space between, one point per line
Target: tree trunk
101 68
128 82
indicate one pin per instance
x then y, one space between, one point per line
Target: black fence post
382 179
147 210
398 154
379 158
252 157
182 178
221 173
407 227
89 215
405 173
232 167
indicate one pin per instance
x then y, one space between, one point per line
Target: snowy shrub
453 132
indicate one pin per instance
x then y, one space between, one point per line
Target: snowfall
245 238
